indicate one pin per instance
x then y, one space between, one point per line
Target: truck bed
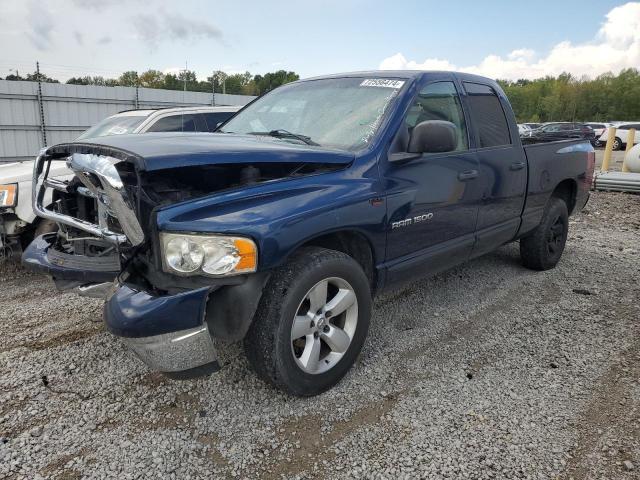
549 164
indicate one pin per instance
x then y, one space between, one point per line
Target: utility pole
43 130
184 88
213 88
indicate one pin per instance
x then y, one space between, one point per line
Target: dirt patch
213 453
177 414
305 433
64 338
58 464
609 428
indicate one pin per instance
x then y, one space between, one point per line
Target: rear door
502 164
432 200
550 133
577 130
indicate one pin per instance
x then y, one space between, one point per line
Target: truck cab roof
407 74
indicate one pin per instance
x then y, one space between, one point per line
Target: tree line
221 82
607 97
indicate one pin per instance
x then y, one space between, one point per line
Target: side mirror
433 136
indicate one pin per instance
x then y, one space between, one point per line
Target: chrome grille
99 176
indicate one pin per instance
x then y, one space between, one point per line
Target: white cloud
152 28
398 62
40 25
614 47
522 53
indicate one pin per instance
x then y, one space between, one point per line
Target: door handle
468 175
517 166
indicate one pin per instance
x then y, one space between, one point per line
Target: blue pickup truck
280 228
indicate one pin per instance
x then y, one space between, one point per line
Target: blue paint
134 313
364 195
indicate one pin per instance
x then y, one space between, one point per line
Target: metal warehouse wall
68 110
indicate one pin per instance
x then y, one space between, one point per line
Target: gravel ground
486 371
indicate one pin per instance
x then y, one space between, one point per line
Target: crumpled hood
23 171
159 151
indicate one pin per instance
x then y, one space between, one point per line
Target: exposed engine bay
147 191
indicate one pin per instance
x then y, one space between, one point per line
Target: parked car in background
280 228
598 130
18 223
622 134
550 132
176 119
533 126
523 129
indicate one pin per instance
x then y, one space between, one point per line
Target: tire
45 226
542 249
617 144
294 291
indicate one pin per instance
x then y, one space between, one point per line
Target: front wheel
542 249
311 323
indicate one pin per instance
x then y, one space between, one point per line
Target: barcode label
382 82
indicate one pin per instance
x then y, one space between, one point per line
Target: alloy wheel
556 235
324 325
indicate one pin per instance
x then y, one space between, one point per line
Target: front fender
281 216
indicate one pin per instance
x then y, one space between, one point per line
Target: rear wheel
312 321
542 249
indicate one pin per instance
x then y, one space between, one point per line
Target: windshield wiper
282 133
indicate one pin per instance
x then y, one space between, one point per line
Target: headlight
213 255
8 195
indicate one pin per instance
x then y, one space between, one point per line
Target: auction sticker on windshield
382 82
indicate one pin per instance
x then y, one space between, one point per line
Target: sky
500 39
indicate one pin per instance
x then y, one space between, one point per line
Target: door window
175 123
438 101
488 115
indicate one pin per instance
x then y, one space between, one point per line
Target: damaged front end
108 246
96 219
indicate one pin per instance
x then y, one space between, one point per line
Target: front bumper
167 332
181 351
66 269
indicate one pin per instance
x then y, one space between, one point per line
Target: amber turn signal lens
248 255
8 195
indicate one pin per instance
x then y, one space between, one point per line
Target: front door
432 200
